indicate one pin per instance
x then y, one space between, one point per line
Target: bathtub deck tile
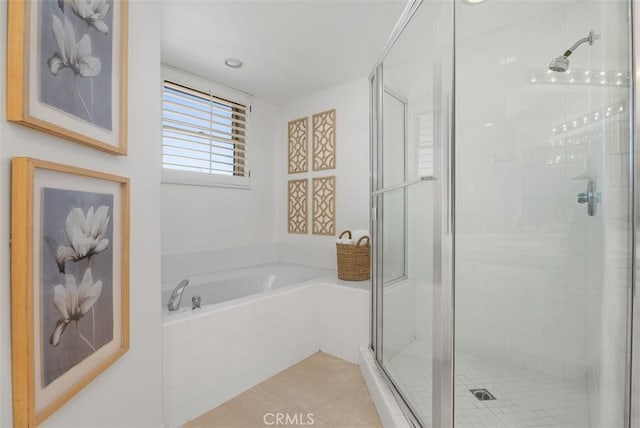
327 389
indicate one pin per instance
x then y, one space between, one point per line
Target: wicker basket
353 260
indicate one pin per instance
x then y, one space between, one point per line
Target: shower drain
482 394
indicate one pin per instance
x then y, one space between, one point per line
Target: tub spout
176 295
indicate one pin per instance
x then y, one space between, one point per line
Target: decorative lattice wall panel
324 206
324 140
298 206
298 139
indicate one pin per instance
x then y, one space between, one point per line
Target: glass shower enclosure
502 199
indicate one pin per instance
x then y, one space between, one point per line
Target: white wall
196 218
206 228
251 225
129 392
399 316
351 101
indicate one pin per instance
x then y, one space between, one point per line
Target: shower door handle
403 184
590 197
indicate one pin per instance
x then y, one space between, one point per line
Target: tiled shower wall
539 283
611 351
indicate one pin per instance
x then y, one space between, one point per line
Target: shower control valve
590 197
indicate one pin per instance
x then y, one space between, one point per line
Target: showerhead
561 63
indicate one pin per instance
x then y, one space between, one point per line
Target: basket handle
362 239
342 234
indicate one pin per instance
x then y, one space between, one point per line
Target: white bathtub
254 322
226 286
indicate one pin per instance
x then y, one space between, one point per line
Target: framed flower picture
69 282
67 69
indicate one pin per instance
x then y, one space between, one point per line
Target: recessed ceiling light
472 2
233 63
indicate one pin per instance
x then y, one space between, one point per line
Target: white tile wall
399 316
536 278
308 253
610 383
213 356
177 266
342 321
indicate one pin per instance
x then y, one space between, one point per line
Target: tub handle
195 300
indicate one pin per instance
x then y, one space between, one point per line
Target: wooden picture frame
70 269
82 97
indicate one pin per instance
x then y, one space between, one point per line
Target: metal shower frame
444 219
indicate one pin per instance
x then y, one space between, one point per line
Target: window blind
424 141
202 133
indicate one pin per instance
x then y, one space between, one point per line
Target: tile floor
524 398
320 391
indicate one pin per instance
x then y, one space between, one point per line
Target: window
424 139
204 137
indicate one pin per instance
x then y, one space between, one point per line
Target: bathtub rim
232 273
182 315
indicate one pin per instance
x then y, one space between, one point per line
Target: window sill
187 178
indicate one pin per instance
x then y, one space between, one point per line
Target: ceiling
289 48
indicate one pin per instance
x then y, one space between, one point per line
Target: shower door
510 200
404 189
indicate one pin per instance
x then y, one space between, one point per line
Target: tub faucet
176 295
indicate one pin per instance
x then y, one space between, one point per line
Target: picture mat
59 180
40 110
